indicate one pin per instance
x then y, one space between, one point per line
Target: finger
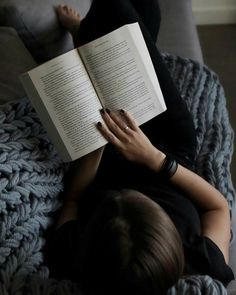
131 122
117 118
113 126
108 135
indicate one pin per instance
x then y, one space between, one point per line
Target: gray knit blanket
31 179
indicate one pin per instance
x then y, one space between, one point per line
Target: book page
69 97
121 70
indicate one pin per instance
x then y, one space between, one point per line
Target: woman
135 216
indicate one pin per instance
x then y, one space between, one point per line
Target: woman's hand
123 132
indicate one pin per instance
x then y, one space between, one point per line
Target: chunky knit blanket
31 179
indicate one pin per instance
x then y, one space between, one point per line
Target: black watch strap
168 168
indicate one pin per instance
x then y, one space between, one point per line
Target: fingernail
122 111
99 124
102 111
108 111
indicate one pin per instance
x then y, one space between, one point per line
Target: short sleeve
60 249
203 256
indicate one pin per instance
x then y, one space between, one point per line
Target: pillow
37 25
15 60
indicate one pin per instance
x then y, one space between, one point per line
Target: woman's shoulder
183 213
203 256
59 249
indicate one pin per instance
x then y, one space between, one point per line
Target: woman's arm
80 175
135 146
215 217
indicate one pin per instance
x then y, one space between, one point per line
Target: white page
71 101
123 74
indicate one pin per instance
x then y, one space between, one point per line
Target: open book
114 71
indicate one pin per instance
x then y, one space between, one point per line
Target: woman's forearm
81 174
68 212
196 188
215 217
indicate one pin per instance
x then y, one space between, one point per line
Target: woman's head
130 245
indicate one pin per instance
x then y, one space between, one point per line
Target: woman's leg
174 128
103 17
149 12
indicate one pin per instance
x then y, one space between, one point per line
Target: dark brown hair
130 245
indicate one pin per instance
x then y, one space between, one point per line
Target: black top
202 256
